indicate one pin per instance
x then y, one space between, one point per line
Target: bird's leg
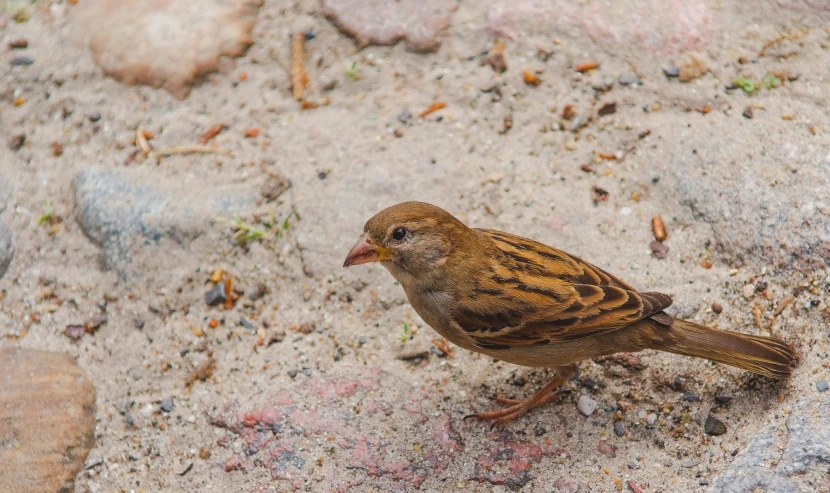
443 345
517 408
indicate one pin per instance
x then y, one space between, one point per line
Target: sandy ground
315 391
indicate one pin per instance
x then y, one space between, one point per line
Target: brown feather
550 291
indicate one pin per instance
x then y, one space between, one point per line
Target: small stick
141 141
211 133
756 313
299 76
433 108
141 137
783 304
194 150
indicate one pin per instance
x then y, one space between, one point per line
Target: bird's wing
535 294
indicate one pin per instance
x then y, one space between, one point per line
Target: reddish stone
607 449
166 43
385 22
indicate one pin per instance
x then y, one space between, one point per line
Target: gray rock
6 248
586 405
821 385
216 295
167 405
671 71
805 440
125 216
752 222
629 79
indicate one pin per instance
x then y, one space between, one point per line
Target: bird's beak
365 251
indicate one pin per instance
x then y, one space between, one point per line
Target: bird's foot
515 408
443 345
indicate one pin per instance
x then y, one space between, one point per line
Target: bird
526 303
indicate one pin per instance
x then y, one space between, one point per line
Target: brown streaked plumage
523 302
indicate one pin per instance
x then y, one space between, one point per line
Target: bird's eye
399 234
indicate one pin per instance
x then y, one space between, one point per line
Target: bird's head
411 239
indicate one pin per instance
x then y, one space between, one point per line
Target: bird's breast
434 306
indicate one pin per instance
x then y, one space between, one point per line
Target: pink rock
607 449
566 486
331 388
166 43
445 436
234 464
266 415
385 22
656 26
311 421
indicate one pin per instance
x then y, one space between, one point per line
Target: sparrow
529 304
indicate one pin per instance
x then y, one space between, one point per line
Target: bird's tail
766 356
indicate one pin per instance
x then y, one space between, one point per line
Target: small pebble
586 405
216 295
629 79
19 61
660 250
18 44
167 405
690 397
292 372
94 116
588 383
405 116
717 308
690 463
822 386
633 466
124 405
748 291
619 428
671 71
517 380
714 426
651 419
723 399
747 112
17 141
245 323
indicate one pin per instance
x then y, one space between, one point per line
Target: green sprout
48 212
406 335
269 229
246 232
771 82
353 72
291 214
747 85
